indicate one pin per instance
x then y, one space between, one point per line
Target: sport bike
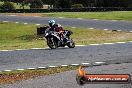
54 39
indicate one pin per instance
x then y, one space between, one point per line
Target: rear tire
51 43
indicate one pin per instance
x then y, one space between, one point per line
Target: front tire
51 43
71 44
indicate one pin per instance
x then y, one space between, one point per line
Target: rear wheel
51 43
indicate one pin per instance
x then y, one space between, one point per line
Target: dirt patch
29 14
24 14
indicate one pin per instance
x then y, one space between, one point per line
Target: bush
130 6
77 6
36 4
7 6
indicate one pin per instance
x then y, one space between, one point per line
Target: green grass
13 36
13 76
114 15
20 36
93 36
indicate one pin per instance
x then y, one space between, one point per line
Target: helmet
52 22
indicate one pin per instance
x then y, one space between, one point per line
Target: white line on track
99 62
74 64
106 29
90 28
52 66
108 43
37 24
6 50
95 19
7 70
31 68
41 67
64 65
66 46
120 42
119 30
20 69
17 22
5 21
80 45
20 49
25 23
85 63
38 48
80 18
61 17
24 49
94 44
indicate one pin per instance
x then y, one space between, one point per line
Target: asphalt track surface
10 60
68 79
73 22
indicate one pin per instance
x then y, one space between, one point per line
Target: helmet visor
50 24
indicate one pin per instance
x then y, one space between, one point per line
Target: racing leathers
58 28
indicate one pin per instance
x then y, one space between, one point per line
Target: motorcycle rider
57 28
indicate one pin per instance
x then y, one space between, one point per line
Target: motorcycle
54 40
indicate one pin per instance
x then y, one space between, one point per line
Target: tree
36 4
7 6
19 2
77 6
51 3
69 3
62 4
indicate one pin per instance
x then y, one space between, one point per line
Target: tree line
89 3
72 3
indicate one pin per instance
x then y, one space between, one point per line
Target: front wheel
51 43
71 44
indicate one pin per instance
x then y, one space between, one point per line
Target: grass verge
20 36
13 36
112 15
11 77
